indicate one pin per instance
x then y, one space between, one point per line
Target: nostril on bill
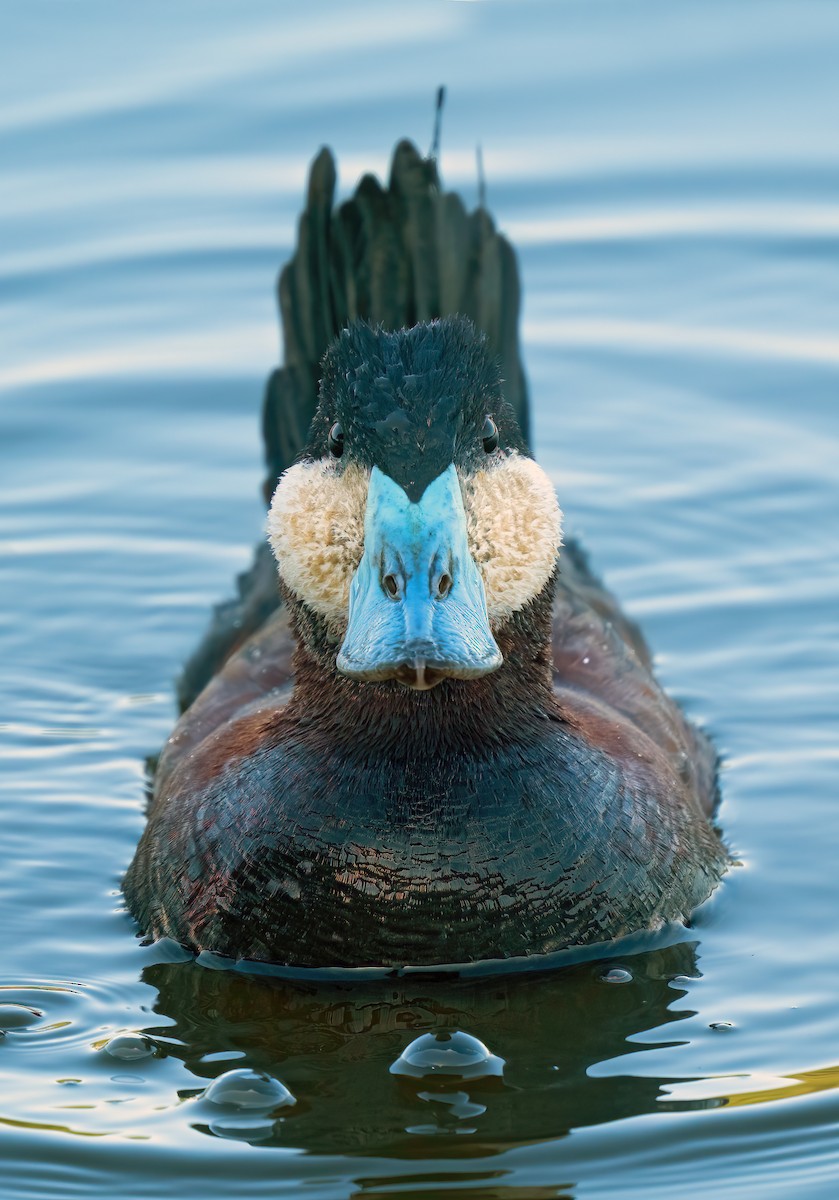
444 585
391 585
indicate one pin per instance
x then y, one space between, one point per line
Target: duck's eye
336 440
490 435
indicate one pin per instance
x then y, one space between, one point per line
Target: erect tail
393 256
390 255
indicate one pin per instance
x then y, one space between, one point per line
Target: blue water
670 176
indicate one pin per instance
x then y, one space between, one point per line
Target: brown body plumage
307 818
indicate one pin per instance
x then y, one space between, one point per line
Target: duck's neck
509 706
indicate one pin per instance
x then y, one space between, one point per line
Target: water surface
670 176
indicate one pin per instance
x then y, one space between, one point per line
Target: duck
424 733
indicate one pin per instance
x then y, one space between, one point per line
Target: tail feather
308 322
378 263
414 190
393 256
455 258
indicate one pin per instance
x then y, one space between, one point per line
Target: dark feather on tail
393 256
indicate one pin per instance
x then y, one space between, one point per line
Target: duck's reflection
333 1044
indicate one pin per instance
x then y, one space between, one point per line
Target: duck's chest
440 856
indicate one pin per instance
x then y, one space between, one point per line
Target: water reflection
333 1045
436 1183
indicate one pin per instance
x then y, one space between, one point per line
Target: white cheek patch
316 530
514 525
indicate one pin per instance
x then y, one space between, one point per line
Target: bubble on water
616 975
721 1026
18 1016
240 1105
129 1047
455 1055
246 1089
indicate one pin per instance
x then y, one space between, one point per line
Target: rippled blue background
670 175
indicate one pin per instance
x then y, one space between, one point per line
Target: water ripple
670 176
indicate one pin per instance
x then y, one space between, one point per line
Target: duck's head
415 526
